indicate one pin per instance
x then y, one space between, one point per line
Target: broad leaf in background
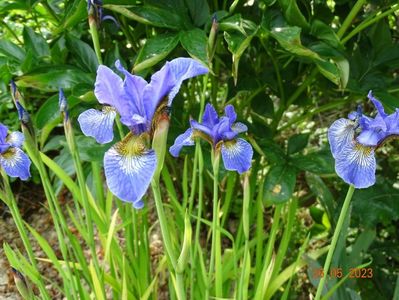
239 39
194 42
83 53
50 79
155 50
279 183
292 13
297 143
321 191
36 43
377 204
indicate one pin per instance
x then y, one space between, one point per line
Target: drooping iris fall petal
98 124
16 163
129 167
237 155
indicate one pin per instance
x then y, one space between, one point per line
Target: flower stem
337 231
216 255
180 291
352 14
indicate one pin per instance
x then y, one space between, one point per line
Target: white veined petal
129 168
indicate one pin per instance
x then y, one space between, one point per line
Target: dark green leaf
195 43
150 15
379 203
279 183
75 13
83 53
321 191
290 39
155 50
325 33
320 162
36 43
292 13
297 143
50 111
199 11
11 50
52 78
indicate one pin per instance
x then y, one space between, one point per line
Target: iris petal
109 89
237 155
210 117
168 81
3 133
181 69
185 139
15 139
377 104
134 87
356 165
370 137
98 124
15 163
230 113
129 168
239 127
201 127
340 133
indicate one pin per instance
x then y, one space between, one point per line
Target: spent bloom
353 143
222 134
130 164
13 160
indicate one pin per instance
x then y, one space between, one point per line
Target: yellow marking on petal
132 145
107 109
9 154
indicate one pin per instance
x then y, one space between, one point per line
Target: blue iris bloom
13 160
222 134
130 164
353 143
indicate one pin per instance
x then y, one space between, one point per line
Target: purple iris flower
13 160
353 143
222 134
130 164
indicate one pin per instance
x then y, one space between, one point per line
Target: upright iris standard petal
98 124
181 69
210 117
168 80
15 163
134 88
15 139
129 167
3 133
239 127
230 113
237 155
377 104
109 89
356 165
185 139
341 133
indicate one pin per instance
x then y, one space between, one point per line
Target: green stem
98 183
163 223
337 231
94 37
349 19
51 12
273 234
367 23
216 255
